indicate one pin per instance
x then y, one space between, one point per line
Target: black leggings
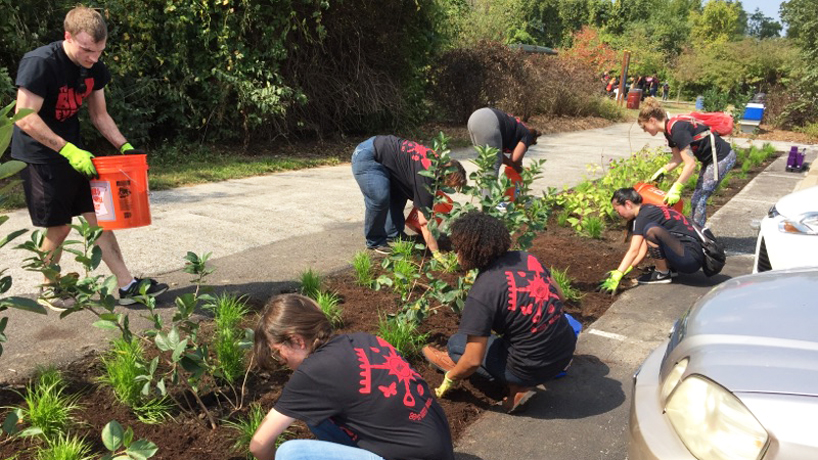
682 254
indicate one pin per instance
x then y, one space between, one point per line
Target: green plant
310 283
124 363
329 302
687 207
563 280
47 410
64 447
364 273
593 226
228 336
246 427
402 334
121 445
403 248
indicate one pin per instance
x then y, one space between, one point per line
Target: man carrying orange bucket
53 81
387 169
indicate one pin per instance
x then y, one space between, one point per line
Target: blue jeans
494 362
333 443
384 210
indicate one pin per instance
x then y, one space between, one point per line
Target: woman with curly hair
514 296
357 395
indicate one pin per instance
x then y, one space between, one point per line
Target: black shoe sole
126 301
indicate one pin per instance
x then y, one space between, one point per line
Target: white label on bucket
103 202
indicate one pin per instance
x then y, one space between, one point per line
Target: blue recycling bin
699 102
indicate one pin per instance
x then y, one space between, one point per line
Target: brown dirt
188 437
768 133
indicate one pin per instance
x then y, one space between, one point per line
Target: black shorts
55 193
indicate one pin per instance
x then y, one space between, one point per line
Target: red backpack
720 123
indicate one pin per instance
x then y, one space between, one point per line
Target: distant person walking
387 169
495 128
665 91
689 141
54 80
654 86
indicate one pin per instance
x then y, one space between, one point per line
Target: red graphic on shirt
397 368
417 152
530 292
670 213
69 101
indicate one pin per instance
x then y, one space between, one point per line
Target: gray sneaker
384 249
128 296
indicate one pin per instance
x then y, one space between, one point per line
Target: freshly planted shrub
310 283
403 248
405 273
564 281
402 334
246 427
330 305
364 273
64 447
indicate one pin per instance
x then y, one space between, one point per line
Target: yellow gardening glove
440 258
444 387
470 277
674 194
609 284
657 176
79 159
127 149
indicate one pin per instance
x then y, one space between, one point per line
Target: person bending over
387 169
689 141
506 133
357 395
515 297
662 232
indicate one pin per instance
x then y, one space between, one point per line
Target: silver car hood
754 334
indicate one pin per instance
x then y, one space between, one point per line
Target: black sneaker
655 277
384 249
128 297
648 270
401 237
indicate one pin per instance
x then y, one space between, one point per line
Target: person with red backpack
691 137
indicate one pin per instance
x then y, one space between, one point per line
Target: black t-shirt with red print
366 388
672 220
404 159
513 131
515 297
49 73
682 133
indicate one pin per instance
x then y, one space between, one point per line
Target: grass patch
246 426
401 334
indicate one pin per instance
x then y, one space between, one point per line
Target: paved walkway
264 231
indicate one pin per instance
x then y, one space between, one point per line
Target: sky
769 7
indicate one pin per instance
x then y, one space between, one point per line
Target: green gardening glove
674 194
127 149
79 159
609 284
657 176
444 387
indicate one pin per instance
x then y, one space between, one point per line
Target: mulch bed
189 438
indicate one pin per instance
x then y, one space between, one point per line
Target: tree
761 27
801 17
720 21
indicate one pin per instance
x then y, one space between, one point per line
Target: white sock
128 286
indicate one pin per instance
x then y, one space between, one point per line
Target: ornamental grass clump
64 447
246 426
563 280
593 226
330 304
228 336
310 283
123 364
402 334
48 411
364 271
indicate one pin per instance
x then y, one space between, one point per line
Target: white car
788 237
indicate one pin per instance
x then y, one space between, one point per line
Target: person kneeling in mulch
514 296
357 395
662 232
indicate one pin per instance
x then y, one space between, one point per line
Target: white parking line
608 335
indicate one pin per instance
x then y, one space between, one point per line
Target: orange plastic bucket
515 179
655 195
121 193
444 207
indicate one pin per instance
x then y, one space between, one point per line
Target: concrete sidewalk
264 231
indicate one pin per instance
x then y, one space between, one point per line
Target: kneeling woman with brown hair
357 395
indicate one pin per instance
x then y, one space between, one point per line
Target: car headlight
673 378
712 423
806 224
